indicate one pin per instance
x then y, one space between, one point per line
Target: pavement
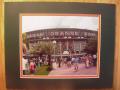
82 70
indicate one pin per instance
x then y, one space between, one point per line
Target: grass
42 70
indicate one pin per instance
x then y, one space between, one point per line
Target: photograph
59 45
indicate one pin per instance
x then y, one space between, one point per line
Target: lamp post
60 50
54 42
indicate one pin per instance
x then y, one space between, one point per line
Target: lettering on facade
56 33
61 33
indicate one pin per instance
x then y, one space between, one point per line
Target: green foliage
32 50
42 70
25 41
24 37
43 48
91 47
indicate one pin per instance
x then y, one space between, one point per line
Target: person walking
59 61
94 59
87 61
54 64
32 67
76 61
25 65
68 62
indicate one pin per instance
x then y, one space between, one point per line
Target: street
64 70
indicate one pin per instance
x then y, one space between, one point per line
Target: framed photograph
59 45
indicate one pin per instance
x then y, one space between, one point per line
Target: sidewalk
64 70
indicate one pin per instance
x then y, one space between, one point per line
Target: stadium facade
72 40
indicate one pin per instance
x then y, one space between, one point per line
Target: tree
43 48
48 49
25 41
91 47
32 50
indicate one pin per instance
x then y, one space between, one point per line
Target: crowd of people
88 60
30 65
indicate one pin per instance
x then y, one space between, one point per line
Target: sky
32 23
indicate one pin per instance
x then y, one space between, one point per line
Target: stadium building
67 40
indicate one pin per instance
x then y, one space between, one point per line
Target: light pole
54 42
60 50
